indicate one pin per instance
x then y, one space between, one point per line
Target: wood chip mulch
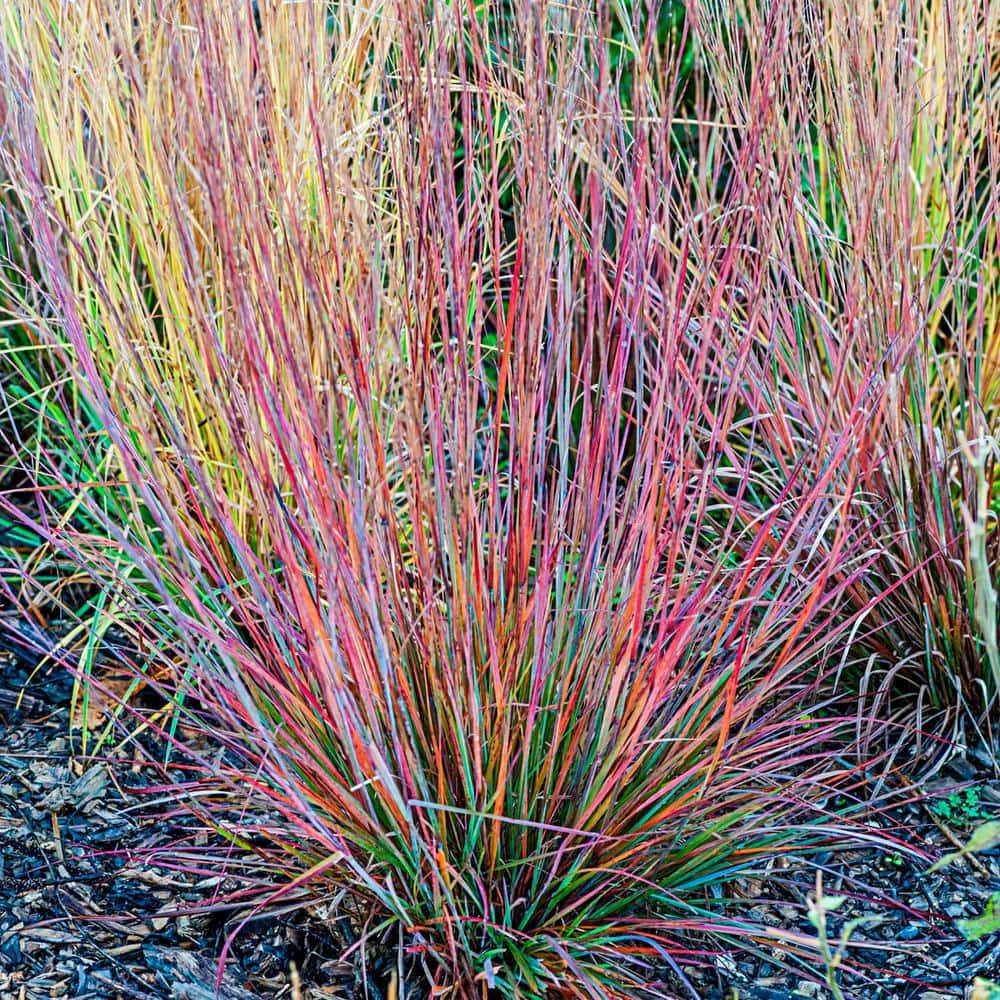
82 916
908 943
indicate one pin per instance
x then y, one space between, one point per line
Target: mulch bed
908 948
82 916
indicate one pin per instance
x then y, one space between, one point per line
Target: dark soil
85 914
908 944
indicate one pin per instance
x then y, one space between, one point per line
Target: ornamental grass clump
884 152
421 358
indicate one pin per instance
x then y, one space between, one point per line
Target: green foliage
988 923
961 807
819 908
983 838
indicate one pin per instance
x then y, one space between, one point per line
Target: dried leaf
983 838
988 923
984 989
